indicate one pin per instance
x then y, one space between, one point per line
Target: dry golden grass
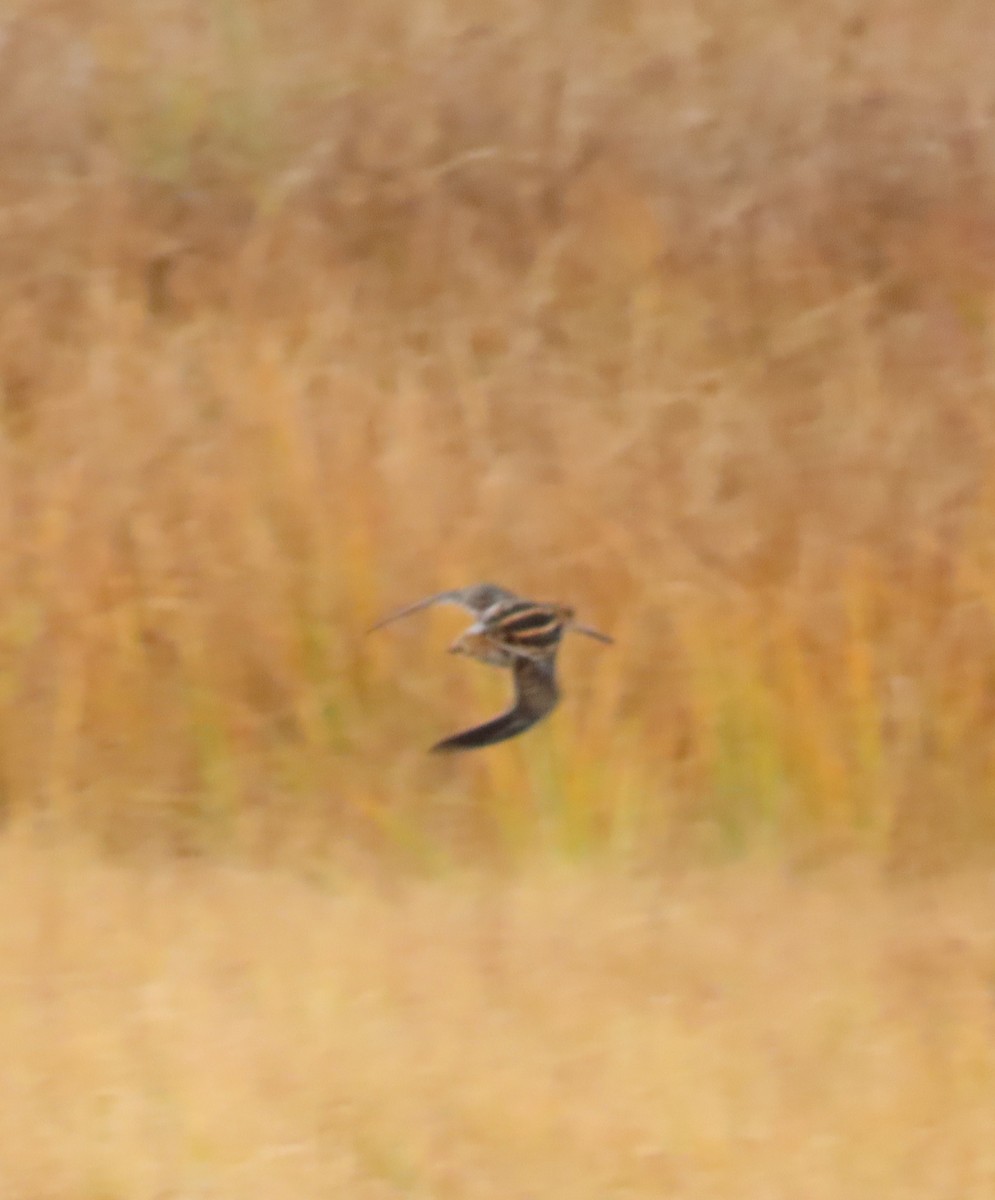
679 312
174 1029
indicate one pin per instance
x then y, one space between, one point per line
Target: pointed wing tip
596 634
443 747
386 619
455 743
409 610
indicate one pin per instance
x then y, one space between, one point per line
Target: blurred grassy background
678 312
184 1028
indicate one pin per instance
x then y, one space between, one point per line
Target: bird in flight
510 632
521 626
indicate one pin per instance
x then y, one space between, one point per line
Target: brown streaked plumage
510 632
523 626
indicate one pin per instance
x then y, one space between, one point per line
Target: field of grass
679 312
176 1029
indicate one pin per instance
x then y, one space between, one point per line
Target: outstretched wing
535 698
476 599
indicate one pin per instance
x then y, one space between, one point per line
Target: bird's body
521 635
524 626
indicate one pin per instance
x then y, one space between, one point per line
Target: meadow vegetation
679 312
190 1029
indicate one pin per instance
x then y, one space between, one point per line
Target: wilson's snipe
521 626
509 632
